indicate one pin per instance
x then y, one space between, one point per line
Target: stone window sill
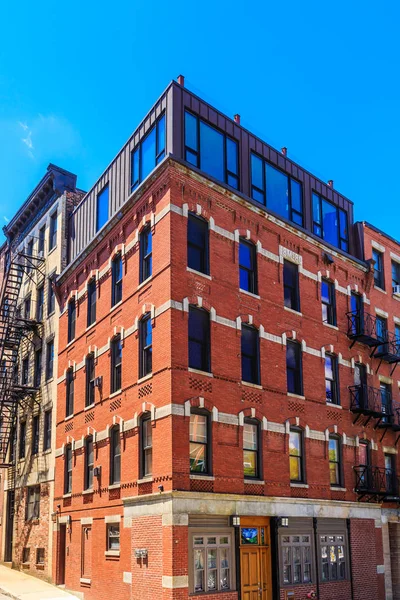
69 495
145 282
250 294
338 489
299 485
114 486
145 378
116 306
252 385
330 326
145 480
91 491
291 310
333 405
112 553
199 372
254 481
89 406
117 393
202 477
90 326
85 580
299 396
379 289
189 270
69 417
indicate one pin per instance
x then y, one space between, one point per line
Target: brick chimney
330 183
236 118
181 80
284 151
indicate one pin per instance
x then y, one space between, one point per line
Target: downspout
316 554
350 558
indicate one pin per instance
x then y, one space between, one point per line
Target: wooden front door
255 558
61 554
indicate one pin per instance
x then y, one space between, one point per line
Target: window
116 280
390 473
90 377
291 285
335 467
296 458
364 459
39 303
25 371
146 431
68 470
395 273
50 360
386 400
146 254
29 252
296 559
47 430
381 332
51 298
197 244
357 314
53 231
33 503
148 153
42 236
294 368
38 368
40 556
115 455
331 379
251 449
212 562
26 555
102 207
276 190
199 339
113 536
250 347
69 408
379 277
71 320
328 302
116 362
145 346
35 435
22 440
27 307
330 223
199 454
211 150
91 302
247 266
332 553
89 463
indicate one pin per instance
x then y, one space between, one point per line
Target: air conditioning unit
396 290
98 381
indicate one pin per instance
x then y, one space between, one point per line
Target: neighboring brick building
34 253
221 425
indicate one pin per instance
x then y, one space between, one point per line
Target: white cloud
6 219
49 136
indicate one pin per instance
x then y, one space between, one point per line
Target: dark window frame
68 468
207 444
91 302
253 358
40 303
145 350
379 268
116 365
205 365
89 466
196 152
38 367
291 289
69 398
71 320
49 362
42 240
252 271
146 259
115 455
35 434
105 188
335 533
296 535
116 279
257 452
90 372
137 155
47 429
32 507
343 242
25 370
254 190
301 457
331 304
338 462
202 251
22 440
145 447
335 379
298 370
51 298
395 273
110 546
53 230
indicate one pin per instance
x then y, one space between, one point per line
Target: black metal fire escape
15 329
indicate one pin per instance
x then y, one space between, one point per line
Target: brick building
227 417
34 253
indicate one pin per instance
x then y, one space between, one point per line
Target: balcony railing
395 418
376 482
367 400
363 327
389 350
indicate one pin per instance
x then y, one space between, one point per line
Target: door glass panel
249 535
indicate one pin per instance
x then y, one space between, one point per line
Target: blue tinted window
232 163
249 347
211 151
330 222
277 191
197 242
191 131
247 267
135 168
148 154
199 336
102 208
257 179
160 140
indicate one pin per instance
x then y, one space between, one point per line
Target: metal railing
368 400
376 481
362 325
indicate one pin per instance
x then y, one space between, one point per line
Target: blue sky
320 78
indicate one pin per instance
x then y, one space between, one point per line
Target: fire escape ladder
13 330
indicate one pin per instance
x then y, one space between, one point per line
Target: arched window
146 254
116 364
146 445
145 346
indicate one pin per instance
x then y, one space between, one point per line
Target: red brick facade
173 389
